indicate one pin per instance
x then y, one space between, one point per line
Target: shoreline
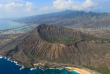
82 70
67 68
8 59
78 70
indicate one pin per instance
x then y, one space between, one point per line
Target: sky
23 8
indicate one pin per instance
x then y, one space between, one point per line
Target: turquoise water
7 24
8 67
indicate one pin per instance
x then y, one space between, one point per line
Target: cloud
21 8
63 4
75 5
30 6
17 9
17 6
11 6
8 1
88 4
59 5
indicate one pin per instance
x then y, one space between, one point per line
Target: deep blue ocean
8 67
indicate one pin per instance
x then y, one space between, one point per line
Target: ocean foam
1 57
56 68
22 67
75 71
8 59
51 68
59 68
33 69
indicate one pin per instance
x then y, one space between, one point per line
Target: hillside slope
49 43
70 18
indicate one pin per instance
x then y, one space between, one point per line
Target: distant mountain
71 18
50 46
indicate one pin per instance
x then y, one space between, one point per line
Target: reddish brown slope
37 46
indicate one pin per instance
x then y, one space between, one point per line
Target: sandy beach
82 71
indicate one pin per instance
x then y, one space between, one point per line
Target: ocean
9 67
7 24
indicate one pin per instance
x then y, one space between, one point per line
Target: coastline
79 70
82 70
8 59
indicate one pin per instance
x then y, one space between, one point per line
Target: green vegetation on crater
70 40
98 40
67 40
